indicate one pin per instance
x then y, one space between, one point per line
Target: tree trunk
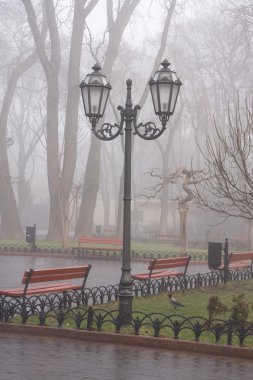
73 96
163 224
91 185
55 229
10 223
183 213
23 191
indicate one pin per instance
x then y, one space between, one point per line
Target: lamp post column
125 285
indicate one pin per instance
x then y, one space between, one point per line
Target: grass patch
196 300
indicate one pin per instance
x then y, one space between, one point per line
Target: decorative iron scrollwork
107 131
148 131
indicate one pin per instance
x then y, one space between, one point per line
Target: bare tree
187 179
60 181
227 182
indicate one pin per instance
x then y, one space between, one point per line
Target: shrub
240 309
215 307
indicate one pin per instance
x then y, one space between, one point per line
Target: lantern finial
165 63
96 67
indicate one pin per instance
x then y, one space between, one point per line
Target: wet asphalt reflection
25 357
103 272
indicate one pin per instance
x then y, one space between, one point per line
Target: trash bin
214 255
30 235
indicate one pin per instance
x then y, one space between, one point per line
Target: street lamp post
164 87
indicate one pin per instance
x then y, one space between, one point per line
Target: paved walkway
26 357
103 272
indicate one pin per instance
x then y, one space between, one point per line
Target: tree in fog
28 126
60 169
227 183
25 58
185 180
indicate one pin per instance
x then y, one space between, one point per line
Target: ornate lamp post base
125 304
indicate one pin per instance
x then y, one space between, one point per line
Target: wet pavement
103 272
26 357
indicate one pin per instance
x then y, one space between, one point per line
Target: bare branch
228 190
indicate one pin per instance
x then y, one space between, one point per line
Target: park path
104 272
38 358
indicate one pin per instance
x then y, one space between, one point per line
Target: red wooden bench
159 268
98 244
49 275
239 260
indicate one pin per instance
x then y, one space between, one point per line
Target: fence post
90 318
226 261
230 332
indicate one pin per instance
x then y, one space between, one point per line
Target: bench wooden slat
56 277
53 288
76 269
19 292
164 265
16 292
240 264
56 274
155 275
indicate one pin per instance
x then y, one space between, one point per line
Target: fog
55 173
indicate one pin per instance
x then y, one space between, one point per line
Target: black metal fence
155 324
75 309
104 253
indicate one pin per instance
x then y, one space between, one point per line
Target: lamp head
164 87
95 92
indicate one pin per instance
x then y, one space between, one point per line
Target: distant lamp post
95 91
